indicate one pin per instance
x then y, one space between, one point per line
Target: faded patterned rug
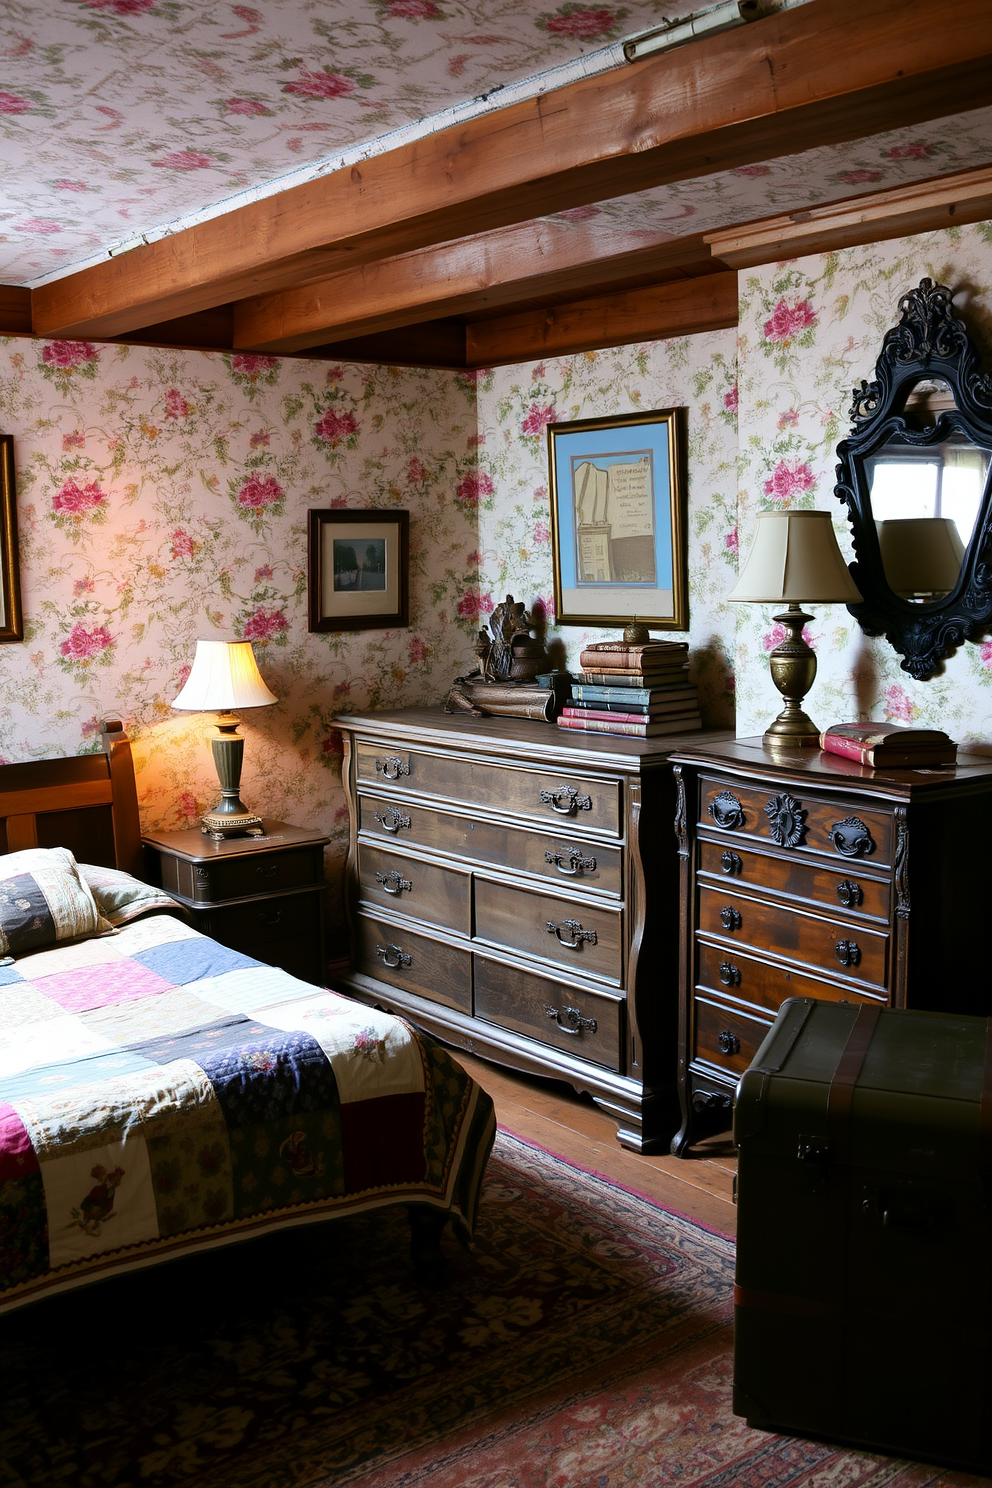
586 1340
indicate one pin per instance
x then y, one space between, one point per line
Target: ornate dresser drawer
514 889
809 875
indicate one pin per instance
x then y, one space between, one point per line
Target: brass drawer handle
392 883
851 838
730 918
573 1023
848 952
577 865
565 800
393 957
849 892
731 863
730 975
728 1042
576 934
392 767
392 820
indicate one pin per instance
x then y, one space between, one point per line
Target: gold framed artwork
11 623
618 520
358 569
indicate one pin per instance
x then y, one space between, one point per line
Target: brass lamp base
230 817
793 668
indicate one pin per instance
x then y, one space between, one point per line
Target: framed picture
618 520
11 624
358 569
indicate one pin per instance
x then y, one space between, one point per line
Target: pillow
121 898
43 900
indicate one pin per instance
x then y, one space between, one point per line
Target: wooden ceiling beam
922 207
815 75
462 278
433 343
15 310
657 313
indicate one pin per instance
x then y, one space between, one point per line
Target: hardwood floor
550 1114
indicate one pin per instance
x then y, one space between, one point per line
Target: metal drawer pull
730 918
393 956
391 768
266 870
728 1043
726 811
730 862
577 865
271 917
851 838
730 975
576 932
848 952
570 1020
392 883
849 892
391 820
565 800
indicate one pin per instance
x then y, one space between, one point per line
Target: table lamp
794 560
921 556
225 676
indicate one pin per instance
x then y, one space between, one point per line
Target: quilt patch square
288 1162
157 929
371 1053
183 961
383 1142
88 987
254 990
55 1079
83 1118
18 1158
201 1042
281 1075
126 1023
20 1004
190 1157
99 1200
23 1229
95 952
9 974
54 1041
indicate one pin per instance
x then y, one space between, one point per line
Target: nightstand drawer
579 1021
401 957
836 947
764 985
842 889
440 896
842 831
236 877
591 804
278 917
583 936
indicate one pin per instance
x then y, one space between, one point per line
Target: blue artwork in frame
618 520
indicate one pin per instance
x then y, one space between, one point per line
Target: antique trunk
865 1231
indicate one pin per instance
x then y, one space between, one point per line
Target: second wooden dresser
514 889
808 875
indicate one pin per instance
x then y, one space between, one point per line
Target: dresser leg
704 1113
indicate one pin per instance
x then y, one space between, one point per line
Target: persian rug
585 1340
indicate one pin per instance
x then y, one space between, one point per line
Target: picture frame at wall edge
11 618
619 520
358 569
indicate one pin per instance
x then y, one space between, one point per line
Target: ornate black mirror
915 476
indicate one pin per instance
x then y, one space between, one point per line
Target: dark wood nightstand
262 896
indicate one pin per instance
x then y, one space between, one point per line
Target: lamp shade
224 676
920 555
795 560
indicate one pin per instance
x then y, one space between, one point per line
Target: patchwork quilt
159 1092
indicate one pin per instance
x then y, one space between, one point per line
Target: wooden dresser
514 889
808 875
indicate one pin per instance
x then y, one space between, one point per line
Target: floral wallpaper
515 406
810 330
163 496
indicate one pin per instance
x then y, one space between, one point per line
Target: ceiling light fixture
702 23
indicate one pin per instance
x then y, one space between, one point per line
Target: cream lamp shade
920 555
794 560
224 676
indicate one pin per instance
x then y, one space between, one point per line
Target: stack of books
889 745
639 690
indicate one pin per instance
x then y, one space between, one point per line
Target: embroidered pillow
121 898
43 900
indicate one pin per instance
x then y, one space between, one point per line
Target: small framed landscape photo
358 569
618 520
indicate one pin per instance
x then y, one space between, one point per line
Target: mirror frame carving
928 342
11 621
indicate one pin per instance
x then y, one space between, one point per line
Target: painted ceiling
118 117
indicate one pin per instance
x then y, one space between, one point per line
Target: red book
878 744
611 714
645 729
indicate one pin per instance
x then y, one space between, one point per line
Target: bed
161 1093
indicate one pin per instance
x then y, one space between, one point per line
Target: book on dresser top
637 711
647 728
677 677
879 744
653 656
623 697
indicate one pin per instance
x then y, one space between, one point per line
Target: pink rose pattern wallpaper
810 330
163 496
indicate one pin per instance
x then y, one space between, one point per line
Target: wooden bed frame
87 803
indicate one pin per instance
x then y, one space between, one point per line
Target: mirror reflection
925 499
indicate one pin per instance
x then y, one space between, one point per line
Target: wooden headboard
87 803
